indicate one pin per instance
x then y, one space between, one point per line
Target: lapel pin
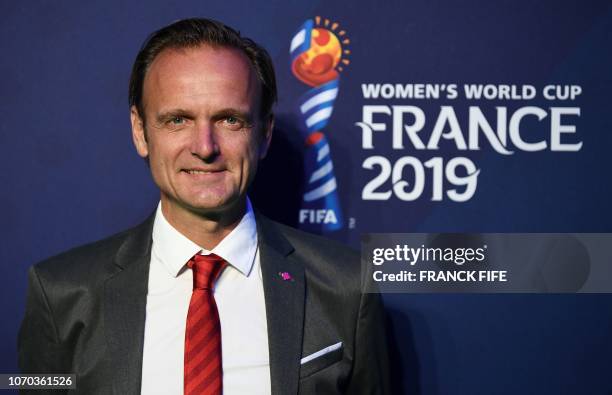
286 276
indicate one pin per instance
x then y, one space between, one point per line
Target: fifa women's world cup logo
317 57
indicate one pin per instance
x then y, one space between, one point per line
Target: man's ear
138 133
267 137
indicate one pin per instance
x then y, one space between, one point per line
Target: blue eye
233 122
177 120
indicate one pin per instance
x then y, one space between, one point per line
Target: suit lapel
125 298
284 306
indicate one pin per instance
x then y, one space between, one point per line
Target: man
206 296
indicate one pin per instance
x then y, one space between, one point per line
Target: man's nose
204 144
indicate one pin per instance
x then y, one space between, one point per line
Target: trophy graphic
317 57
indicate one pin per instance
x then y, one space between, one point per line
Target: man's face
204 133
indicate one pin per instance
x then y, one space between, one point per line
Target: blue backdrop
70 174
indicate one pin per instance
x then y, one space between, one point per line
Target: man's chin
217 207
208 205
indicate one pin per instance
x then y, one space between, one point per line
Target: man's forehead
204 54
200 71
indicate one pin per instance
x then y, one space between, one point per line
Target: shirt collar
174 250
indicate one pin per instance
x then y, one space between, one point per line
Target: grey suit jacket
85 314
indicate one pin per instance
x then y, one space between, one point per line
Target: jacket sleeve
38 345
370 373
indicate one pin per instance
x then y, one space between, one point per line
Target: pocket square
320 353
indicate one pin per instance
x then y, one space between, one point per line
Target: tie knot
206 270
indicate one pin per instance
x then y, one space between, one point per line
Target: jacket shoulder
84 262
323 245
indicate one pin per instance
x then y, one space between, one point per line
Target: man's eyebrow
230 111
162 116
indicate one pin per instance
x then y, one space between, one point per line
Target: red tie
203 369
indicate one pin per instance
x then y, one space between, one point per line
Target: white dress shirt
240 300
